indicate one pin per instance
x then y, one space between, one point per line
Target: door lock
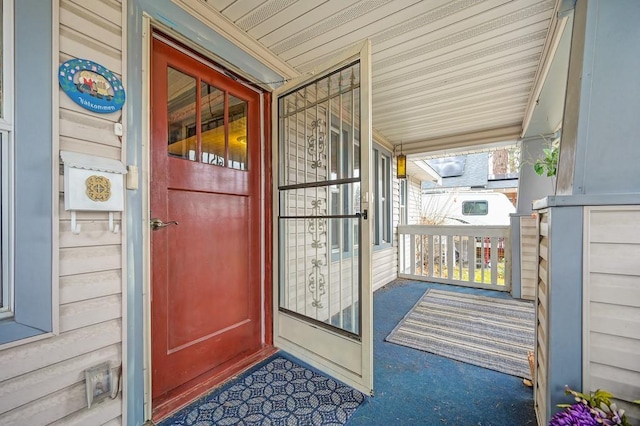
156 223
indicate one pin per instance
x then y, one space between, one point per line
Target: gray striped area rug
485 331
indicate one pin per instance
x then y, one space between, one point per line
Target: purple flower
576 415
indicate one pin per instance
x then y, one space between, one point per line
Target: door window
212 130
181 115
237 133
212 124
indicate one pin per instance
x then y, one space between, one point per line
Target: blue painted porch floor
419 388
413 387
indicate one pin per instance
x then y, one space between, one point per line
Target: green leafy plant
547 164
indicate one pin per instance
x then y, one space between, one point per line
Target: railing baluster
430 252
483 258
412 245
494 260
472 259
450 256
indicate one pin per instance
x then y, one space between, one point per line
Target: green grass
464 271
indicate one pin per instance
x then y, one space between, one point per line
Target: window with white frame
6 130
344 199
404 195
382 197
27 158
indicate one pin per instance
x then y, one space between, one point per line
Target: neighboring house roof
422 171
502 184
473 175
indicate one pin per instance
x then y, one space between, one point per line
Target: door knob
156 223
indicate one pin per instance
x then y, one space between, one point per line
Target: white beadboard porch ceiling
446 73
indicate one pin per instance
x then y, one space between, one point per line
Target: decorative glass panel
181 115
307 118
212 119
319 189
319 285
238 133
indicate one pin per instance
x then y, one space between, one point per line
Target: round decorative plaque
98 188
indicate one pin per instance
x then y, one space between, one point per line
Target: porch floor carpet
484 331
420 388
278 391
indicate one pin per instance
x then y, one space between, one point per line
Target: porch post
598 166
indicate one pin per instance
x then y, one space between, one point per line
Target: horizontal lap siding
43 382
414 202
612 303
384 268
385 260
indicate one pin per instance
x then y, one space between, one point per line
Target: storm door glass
181 115
319 196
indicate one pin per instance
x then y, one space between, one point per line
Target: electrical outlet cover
98 383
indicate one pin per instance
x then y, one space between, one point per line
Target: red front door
205 175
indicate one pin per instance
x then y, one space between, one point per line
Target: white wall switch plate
98 383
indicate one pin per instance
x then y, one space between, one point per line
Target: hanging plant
547 164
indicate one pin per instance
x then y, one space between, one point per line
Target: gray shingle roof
475 173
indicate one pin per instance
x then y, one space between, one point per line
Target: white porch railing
473 256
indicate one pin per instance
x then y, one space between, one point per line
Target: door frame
266 235
363 52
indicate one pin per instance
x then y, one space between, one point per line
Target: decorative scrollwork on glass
317 284
316 143
317 229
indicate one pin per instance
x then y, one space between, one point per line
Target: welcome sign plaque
91 86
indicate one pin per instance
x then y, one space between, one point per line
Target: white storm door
323 309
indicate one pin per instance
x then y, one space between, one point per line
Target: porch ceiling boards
446 73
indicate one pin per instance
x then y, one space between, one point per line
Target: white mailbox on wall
92 183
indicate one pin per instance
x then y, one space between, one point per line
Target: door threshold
202 385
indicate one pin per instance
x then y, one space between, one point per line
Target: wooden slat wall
528 256
612 304
542 304
43 382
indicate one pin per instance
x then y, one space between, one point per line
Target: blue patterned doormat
280 392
